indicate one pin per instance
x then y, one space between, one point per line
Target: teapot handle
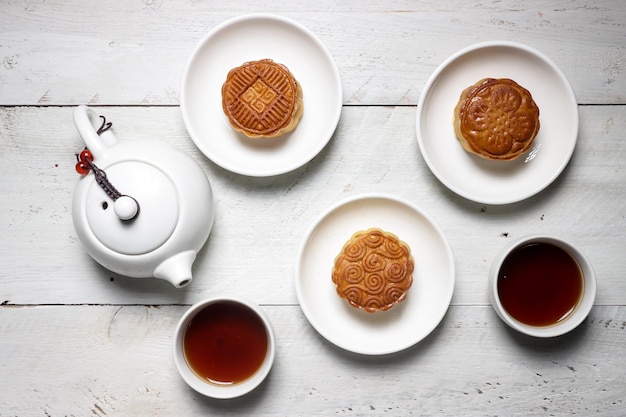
87 122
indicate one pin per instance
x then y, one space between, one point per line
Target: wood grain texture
260 222
78 340
134 52
117 360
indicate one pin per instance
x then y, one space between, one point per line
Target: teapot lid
145 215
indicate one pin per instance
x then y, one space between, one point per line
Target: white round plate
251 38
497 182
406 323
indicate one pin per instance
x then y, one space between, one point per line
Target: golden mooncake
496 118
262 99
374 270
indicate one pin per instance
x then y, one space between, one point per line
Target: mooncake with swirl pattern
262 99
496 118
374 270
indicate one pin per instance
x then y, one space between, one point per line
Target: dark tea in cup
224 346
540 284
225 343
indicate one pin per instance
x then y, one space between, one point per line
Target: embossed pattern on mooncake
496 118
374 270
262 99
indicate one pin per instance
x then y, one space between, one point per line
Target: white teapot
142 208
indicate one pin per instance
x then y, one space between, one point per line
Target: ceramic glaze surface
158 209
174 205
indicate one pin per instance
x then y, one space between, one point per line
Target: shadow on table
570 341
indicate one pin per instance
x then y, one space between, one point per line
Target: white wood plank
87 52
76 339
374 149
117 360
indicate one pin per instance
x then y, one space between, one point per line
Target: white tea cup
542 267
220 339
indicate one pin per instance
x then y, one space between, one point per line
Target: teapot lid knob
126 208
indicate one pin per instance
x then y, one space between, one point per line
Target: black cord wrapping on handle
101 176
103 181
85 164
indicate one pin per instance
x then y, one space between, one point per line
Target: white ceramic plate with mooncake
406 323
497 182
251 38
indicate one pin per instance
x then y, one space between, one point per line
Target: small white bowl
569 323
204 386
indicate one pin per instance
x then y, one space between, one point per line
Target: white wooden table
78 340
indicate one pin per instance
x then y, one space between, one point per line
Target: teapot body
175 206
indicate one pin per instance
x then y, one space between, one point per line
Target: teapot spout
177 269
